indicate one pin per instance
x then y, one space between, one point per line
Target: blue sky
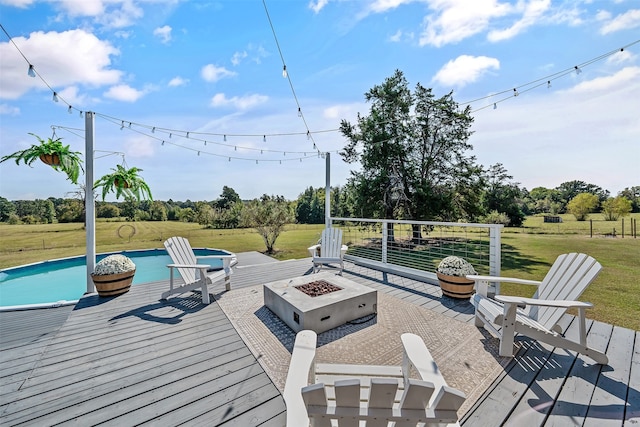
213 68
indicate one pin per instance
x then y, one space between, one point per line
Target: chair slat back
180 251
566 281
331 242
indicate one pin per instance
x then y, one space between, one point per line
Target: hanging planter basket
50 159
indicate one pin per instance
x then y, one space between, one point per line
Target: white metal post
385 237
89 202
495 254
327 192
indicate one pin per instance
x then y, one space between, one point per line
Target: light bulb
515 92
32 71
55 96
122 125
70 109
80 114
495 105
225 138
205 143
153 129
187 134
299 112
162 142
578 70
548 84
229 158
284 71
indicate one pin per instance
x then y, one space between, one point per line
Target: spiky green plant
69 161
124 182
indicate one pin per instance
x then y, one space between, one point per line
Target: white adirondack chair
195 275
568 277
331 249
374 395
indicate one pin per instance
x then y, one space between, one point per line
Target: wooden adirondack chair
195 275
376 395
568 277
331 250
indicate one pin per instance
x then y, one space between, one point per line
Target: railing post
385 236
495 254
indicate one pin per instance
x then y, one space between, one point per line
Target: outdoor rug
467 356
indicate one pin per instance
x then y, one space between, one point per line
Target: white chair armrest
312 250
302 360
199 266
542 302
344 249
478 278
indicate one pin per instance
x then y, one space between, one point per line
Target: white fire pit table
319 302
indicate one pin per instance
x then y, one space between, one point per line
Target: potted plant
452 272
123 181
113 275
52 153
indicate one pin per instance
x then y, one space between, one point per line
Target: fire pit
319 302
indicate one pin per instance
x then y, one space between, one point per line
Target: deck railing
414 248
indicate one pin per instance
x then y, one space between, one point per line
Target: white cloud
465 69
455 20
625 21
17 3
139 146
238 57
533 11
381 6
242 103
66 58
124 92
618 81
318 5
164 33
178 81
8 110
83 8
212 73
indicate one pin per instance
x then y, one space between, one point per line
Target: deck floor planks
537 371
632 415
608 403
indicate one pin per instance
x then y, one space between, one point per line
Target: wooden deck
134 360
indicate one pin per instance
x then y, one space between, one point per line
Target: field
527 252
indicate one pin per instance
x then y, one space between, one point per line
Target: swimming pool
65 279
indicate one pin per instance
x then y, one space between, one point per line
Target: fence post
385 235
623 228
495 254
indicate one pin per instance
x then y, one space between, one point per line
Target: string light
31 72
548 84
80 114
70 109
264 138
55 96
225 138
188 135
299 112
515 92
578 70
122 126
495 106
284 72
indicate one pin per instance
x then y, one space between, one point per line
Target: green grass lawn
527 252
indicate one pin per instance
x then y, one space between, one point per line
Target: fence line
414 248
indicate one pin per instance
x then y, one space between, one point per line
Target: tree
503 196
268 216
633 194
582 204
129 208
6 209
570 189
612 209
228 198
412 149
157 211
107 210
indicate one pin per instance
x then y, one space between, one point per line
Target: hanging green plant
124 182
52 153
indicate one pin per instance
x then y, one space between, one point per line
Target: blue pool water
65 279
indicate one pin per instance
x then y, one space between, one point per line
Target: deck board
136 360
